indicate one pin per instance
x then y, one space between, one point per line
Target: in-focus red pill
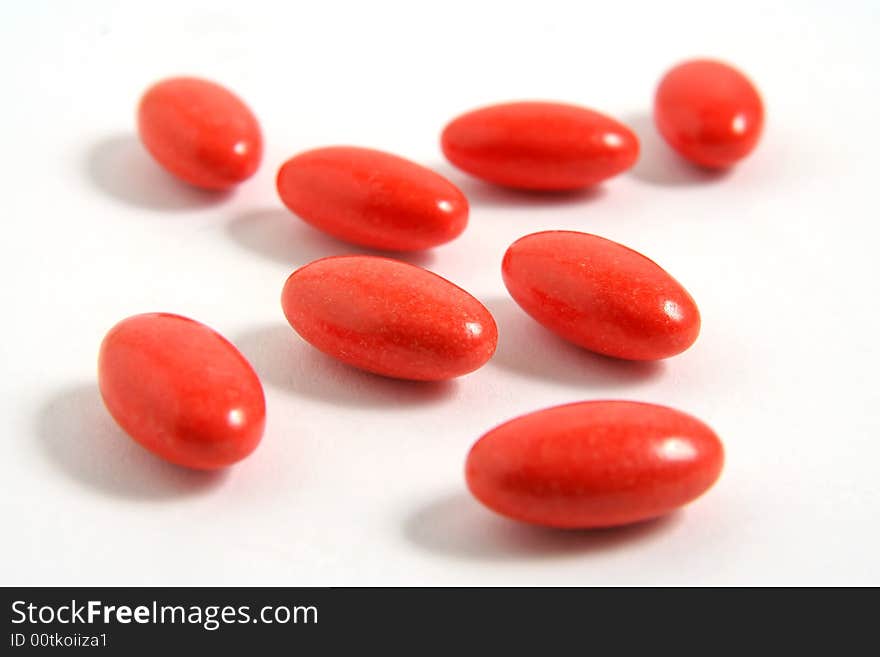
201 132
181 390
709 112
389 317
594 464
372 198
540 145
600 295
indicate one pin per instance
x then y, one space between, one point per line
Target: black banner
333 621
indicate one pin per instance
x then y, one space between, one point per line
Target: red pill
371 198
600 295
200 132
540 146
709 112
389 317
181 390
594 464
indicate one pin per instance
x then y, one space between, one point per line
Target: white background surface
359 479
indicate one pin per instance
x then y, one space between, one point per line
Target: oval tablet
600 295
200 132
372 198
594 464
181 390
709 112
539 145
389 317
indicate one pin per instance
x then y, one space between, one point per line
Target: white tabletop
359 479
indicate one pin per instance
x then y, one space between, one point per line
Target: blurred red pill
181 390
540 145
200 132
372 198
600 295
389 317
594 464
709 112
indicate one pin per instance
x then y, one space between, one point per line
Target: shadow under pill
82 440
458 526
278 234
483 193
528 349
121 168
284 360
658 164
